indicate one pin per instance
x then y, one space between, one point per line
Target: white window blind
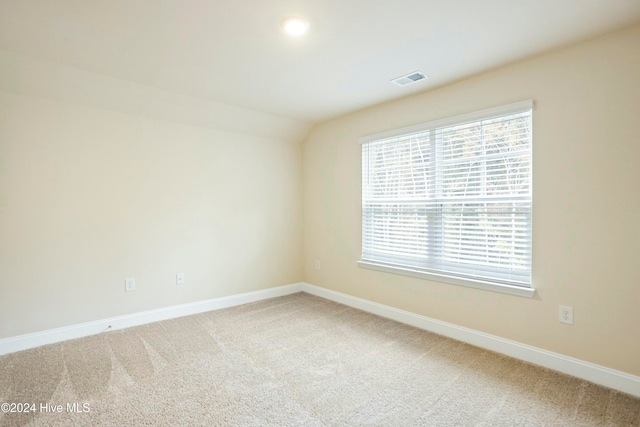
452 198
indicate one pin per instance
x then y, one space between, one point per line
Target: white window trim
516 107
521 291
477 284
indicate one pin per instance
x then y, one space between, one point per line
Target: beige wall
89 197
586 233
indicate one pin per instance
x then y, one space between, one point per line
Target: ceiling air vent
416 76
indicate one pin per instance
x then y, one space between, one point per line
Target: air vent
416 76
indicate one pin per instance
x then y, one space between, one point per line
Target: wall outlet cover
566 314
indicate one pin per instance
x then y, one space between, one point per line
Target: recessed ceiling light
295 26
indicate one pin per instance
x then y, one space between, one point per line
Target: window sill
477 284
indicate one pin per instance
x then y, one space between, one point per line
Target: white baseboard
578 368
607 377
23 342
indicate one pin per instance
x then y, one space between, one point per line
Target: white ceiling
233 52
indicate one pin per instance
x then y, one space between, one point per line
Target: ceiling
233 52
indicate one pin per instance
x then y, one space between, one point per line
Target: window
451 200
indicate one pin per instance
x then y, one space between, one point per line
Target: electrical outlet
317 265
566 314
179 278
129 284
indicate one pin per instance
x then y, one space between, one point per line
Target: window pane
454 200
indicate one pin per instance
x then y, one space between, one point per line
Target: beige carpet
295 360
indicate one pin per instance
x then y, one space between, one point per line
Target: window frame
387 267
